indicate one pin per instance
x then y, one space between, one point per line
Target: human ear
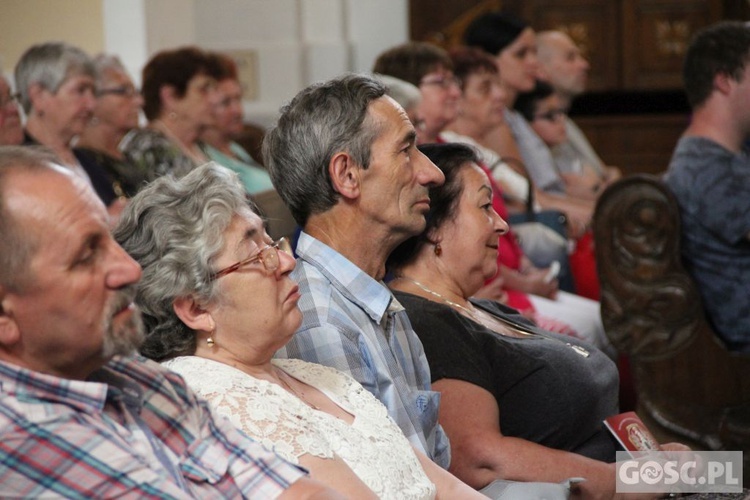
9 332
344 173
723 82
36 96
194 315
167 95
434 236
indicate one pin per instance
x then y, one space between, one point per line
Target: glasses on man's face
551 116
268 256
123 91
444 82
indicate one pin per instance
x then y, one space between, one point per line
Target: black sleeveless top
547 392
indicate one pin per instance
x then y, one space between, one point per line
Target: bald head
562 64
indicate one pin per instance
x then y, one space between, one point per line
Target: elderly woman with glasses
118 106
430 69
218 302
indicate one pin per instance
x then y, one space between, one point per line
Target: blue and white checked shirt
353 323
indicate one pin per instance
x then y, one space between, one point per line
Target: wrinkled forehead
51 193
53 208
385 113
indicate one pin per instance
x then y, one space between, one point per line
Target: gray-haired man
343 157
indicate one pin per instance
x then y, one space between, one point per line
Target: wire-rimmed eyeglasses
444 81
268 256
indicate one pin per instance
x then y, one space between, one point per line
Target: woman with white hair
55 81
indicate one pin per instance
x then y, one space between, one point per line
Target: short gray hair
16 244
401 91
175 229
104 63
49 65
322 120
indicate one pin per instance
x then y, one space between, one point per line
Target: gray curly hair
175 229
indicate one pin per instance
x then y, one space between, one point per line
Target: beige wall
26 22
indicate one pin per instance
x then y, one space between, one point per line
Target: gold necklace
468 311
472 312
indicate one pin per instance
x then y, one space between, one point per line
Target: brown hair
470 60
222 67
411 61
174 68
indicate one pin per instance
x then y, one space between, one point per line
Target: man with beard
81 416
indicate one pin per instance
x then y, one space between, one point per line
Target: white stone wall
296 42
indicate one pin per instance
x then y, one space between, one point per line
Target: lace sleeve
263 410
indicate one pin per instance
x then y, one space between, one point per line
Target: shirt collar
88 396
369 294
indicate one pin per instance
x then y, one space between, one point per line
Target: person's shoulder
152 377
322 303
502 310
696 147
416 304
310 277
309 371
141 137
427 317
696 156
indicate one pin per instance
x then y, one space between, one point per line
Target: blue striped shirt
353 323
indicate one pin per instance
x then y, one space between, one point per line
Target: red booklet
631 432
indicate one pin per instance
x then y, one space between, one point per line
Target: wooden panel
443 22
593 25
636 144
656 36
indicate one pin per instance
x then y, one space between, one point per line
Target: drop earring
210 339
438 249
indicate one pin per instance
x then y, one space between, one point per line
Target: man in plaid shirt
344 158
80 415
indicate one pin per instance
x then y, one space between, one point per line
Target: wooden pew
689 387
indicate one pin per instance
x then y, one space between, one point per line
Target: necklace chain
293 391
473 313
468 311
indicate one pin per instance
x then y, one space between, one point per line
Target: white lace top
373 446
